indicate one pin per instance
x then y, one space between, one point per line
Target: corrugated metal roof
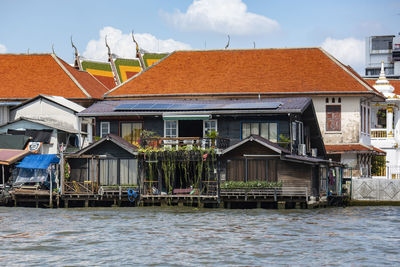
121 107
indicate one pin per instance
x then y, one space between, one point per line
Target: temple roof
26 76
245 72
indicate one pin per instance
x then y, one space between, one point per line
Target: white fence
376 189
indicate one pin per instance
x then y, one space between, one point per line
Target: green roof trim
125 62
153 56
96 65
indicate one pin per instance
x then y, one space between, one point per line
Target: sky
338 26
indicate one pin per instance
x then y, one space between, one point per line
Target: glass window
131 131
171 128
104 128
209 126
267 130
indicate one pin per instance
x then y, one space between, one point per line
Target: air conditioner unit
301 149
314 152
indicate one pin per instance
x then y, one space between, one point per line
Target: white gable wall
350 132
42 108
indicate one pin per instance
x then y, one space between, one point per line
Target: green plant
212 134
284 141
250 185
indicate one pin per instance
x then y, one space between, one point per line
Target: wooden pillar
51 192
281 205
2 172
199 203
228 205
298 205
86 203
258 204
180 203
66 203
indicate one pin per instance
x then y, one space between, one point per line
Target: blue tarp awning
38 161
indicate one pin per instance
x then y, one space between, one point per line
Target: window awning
38 161
10 156
186 117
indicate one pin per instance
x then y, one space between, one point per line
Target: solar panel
253 105
197 106
144 106
125 107
159 106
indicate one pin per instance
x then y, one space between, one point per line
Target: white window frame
101 128
177 128
204 126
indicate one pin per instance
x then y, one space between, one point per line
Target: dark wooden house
268 139
110 161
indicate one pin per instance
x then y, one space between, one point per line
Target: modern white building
382 48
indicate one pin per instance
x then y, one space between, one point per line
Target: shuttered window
333 118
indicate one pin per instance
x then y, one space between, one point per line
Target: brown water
191 237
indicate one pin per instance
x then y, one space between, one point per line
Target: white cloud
122 45
3 49
221 16
349 51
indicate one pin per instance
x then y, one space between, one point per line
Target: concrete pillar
228 205
281 205
258 204
86 203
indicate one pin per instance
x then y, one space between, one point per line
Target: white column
389 122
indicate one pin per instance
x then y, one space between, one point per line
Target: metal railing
275 192
176 142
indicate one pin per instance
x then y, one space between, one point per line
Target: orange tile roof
360 148
394 82
26 76
264 71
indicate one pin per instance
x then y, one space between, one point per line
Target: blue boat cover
38 161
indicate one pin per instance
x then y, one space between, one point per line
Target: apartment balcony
189 142
379 133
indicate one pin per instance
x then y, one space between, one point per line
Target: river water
196 237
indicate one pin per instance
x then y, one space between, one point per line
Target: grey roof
265 142
48 122
62 101
286 105
119 141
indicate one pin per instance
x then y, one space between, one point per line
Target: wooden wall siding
251 147
257 170
236 170
293 174
109 149
230 127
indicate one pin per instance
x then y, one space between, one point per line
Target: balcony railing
176 142
378 133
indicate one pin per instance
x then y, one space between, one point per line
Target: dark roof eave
250 94
214 112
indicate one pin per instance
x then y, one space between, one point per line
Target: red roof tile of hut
244 72
26 76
